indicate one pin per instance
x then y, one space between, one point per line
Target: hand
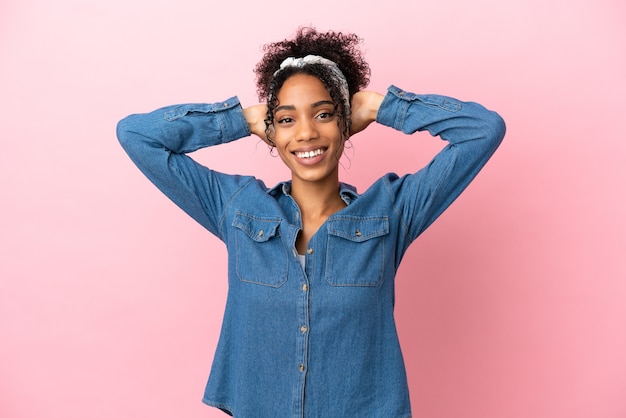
255 116
364 108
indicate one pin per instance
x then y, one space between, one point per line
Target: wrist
255 116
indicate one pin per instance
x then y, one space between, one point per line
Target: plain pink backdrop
511 305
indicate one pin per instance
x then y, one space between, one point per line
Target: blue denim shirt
318 341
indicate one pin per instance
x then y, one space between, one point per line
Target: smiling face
306 133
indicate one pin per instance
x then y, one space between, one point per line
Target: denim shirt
318 341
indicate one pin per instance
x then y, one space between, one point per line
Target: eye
285 120
325 115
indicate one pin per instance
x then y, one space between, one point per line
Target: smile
309 154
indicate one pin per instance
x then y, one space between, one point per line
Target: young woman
308 329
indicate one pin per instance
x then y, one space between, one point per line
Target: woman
308 329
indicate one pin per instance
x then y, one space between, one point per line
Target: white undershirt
302 260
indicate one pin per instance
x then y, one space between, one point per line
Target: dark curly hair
335 46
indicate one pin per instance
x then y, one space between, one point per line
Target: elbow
122 130
496 127
125 131
500 126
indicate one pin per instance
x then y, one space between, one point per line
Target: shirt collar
347 192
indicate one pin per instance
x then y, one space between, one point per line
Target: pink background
513 304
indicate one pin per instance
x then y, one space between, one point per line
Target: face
306 133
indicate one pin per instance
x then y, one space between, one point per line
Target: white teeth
309 154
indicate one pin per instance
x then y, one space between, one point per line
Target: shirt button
305 287
301 367
303 329
358 233
309 251
260 233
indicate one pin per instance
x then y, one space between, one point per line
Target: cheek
281 145
338 138
280 138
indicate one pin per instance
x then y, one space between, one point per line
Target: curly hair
335 46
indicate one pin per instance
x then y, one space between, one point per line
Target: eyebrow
313 106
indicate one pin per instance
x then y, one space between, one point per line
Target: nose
306 130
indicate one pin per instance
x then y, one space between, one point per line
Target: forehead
301 87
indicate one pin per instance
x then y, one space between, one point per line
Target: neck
315 199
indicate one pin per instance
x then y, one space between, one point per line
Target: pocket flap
260 229
358 229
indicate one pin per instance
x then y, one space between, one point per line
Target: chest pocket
261 257
356 250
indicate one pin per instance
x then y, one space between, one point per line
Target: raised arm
473 134
158 142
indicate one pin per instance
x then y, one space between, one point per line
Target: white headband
316 59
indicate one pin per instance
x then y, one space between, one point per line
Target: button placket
303 334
